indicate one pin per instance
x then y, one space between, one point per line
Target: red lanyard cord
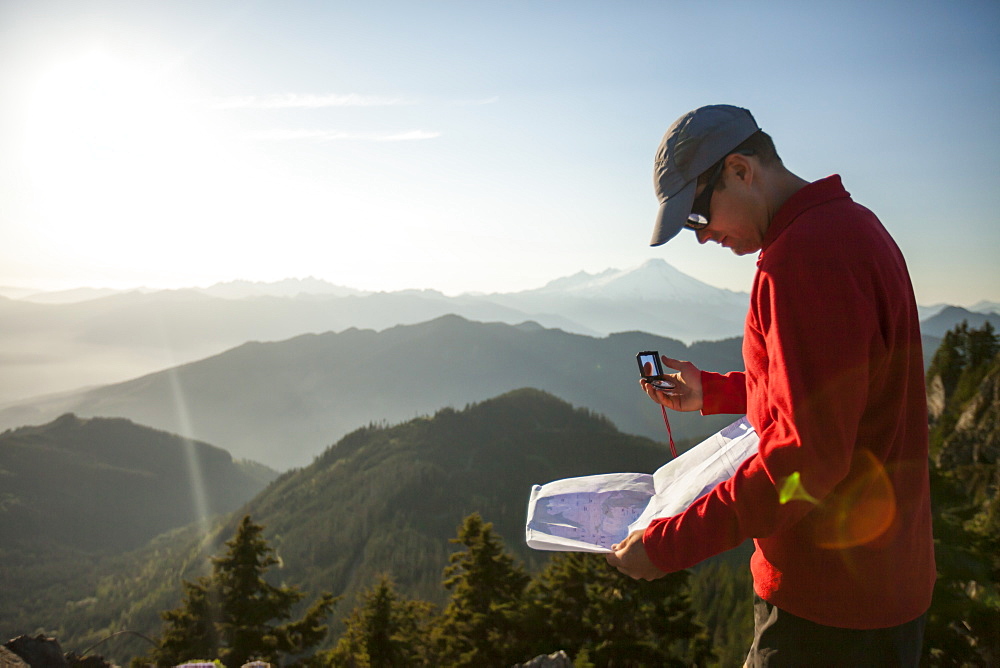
670 434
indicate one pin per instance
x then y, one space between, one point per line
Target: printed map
599 519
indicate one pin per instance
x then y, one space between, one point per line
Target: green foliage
963 627
385 630
580 604
190 629
230 615
479 626
961 362
384 499
387 499
722 594
497 615
106 485
76 494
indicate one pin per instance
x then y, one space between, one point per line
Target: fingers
629 557
665 397
688 396
680 365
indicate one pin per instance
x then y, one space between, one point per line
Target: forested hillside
384 499
496 614
74 491
963 388
108 484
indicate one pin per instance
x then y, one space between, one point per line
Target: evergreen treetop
231 615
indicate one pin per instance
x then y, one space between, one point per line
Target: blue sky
470 146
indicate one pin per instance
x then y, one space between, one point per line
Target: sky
469 146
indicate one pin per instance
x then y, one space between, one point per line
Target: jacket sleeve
816 337
723 393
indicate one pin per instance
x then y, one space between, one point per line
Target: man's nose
703 235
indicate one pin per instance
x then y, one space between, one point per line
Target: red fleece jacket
837 499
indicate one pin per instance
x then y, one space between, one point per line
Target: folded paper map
592 513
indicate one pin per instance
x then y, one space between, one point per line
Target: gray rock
10 660
555 660
38 651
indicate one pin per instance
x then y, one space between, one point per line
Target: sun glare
130 175
95 120
135 177
105 143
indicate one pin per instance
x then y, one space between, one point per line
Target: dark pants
782 639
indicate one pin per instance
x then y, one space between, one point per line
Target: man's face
734 219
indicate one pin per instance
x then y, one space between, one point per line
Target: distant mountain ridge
950 316
49 345
654 280
289 287
282 403
55 347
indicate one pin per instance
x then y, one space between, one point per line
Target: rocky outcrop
555 660
43 652
38 651
10 660
976 436
91 661
936 398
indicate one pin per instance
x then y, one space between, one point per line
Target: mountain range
55 342
949 316
282 403
62 341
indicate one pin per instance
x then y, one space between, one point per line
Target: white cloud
336 135
308 101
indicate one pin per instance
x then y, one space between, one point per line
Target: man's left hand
629 557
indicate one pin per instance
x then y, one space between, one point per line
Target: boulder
555 660
38 651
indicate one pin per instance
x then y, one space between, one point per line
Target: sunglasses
698 220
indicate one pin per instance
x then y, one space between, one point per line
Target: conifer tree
963 623
479 625
598 615
949 359
231 614
721 595
190 629
384 631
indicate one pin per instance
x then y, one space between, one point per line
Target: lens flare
793 490
860 512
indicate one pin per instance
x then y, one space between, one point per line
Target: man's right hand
687 396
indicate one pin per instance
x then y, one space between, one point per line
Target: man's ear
742 167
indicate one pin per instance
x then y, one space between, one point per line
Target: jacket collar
814 194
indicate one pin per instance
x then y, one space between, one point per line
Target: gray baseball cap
695 142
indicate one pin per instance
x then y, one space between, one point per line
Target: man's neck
783 184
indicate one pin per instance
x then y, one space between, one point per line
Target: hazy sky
466 145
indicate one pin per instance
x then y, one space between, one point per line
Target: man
837 498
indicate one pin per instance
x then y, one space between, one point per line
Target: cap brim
673 214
